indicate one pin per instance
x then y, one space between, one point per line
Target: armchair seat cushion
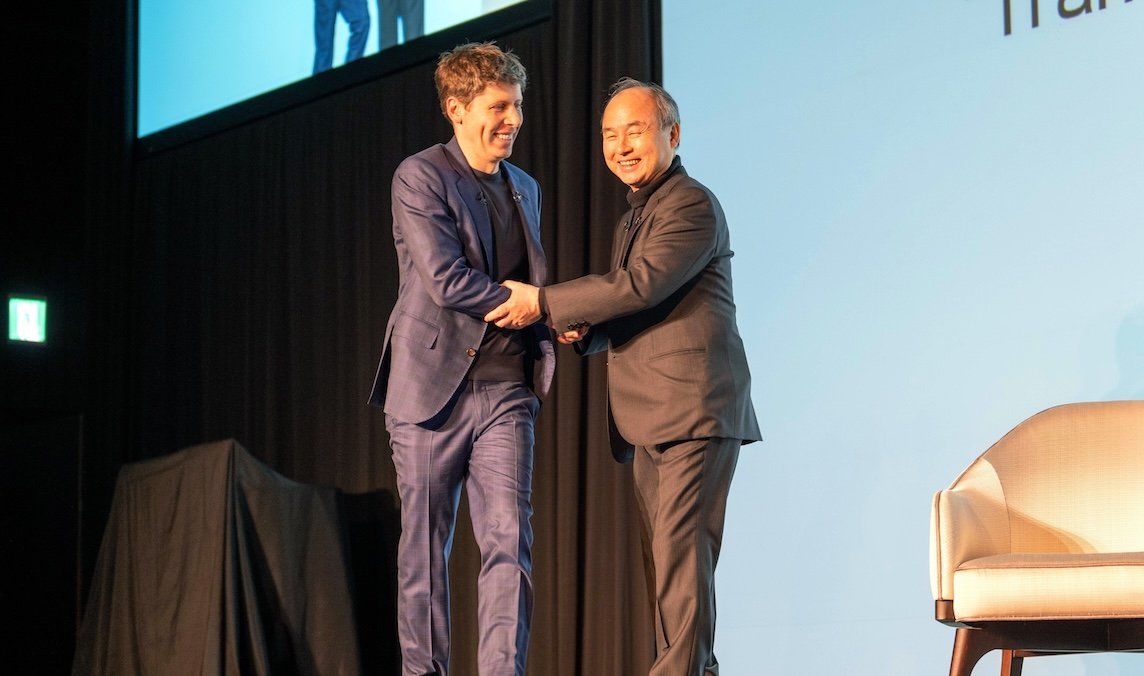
1050 587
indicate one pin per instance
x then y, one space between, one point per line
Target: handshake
523 309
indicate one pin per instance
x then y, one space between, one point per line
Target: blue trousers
356 15
484 442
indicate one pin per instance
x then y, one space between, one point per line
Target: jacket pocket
415 330
677 352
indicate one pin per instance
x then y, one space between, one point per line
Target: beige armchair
1038 547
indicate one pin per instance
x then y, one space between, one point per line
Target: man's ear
455 109
675 135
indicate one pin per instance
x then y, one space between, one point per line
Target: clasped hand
520 310
523 309
569 337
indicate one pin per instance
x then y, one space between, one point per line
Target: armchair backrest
1073 478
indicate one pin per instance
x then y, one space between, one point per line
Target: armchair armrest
969 520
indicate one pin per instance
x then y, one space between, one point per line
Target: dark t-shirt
503 352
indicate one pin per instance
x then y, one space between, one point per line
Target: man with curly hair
460 396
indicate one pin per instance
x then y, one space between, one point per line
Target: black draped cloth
212 563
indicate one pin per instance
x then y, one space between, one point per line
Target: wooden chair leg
1011 663
969 645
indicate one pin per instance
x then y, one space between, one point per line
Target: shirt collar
496 175
638 198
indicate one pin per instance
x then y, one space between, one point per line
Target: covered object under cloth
214 564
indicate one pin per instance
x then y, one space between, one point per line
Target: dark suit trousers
682 493
485 442
412 15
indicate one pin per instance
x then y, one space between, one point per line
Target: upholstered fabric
1050 587
1049 522
969 521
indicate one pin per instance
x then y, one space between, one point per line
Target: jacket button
472 351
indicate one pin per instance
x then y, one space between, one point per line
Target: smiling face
488 125
636 148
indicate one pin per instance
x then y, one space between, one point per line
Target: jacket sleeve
681 242
423 221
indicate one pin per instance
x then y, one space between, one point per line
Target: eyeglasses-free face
487 127
635 148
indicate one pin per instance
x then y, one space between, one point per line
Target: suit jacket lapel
474 199
627 235
628 229
526 206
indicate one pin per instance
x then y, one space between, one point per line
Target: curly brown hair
464 71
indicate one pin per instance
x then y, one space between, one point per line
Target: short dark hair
666 110
464 71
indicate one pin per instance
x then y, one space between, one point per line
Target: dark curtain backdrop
262 272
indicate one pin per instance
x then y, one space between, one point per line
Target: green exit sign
27 319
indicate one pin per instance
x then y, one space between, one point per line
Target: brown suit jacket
666 315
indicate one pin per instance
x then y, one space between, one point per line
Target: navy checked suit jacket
443 235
